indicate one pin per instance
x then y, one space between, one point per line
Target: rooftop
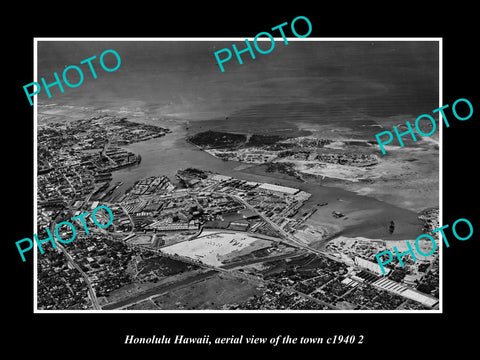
278 188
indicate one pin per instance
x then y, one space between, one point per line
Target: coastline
367 216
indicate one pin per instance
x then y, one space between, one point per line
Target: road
129 217
91 291
260 260
292 241
104 152
157 290
296 243
226 269
285 235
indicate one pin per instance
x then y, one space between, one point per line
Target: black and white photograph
260 187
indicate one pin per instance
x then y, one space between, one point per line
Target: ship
391 227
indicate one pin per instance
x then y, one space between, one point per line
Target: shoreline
366 215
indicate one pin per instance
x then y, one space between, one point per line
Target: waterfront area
186 229
259 189
76 160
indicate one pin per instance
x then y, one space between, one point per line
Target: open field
334 171
140 240
136 293
212 248
143 305
211 293
412 170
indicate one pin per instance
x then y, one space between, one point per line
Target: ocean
306 86
181 79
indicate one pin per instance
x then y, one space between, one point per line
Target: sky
182 78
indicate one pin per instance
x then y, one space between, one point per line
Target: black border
384 333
